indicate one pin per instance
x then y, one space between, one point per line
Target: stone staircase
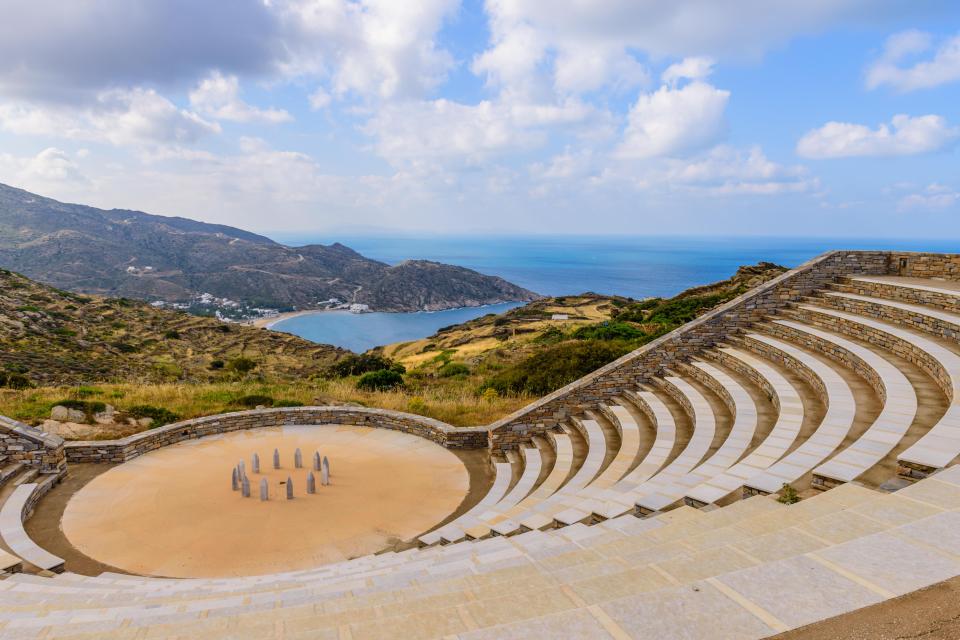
646 509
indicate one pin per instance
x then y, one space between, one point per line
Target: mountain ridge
127 253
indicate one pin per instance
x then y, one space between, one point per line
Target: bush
788 495
609 331
382 380
453 369
355 365
253 400
560 365
89 407
216 364
552 335
159 415
417 405
15 381
172 334
677 312
287 403
123 347
241 365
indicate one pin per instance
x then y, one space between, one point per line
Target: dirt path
928 614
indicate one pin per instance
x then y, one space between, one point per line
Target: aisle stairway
645 513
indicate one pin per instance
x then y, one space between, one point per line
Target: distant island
212 269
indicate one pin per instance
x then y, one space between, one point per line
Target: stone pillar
242 468
234 481
276 458
289 488
316 461
297 459
325 472
311 483
256 463
245 487
264 490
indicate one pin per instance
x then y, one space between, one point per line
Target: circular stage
172 512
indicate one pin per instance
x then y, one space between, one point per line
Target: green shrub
382 380
453 369
557 366
87 406
216 364
788 495
241 365
86 392
123 347
18 381
253 400
159 415
552 335
609 331
359 364
287 403
172 334
677 312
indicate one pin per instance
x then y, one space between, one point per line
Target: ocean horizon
635 267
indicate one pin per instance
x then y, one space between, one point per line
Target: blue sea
637 267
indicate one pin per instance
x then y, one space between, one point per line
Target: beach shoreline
269 321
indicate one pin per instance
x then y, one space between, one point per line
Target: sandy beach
267 323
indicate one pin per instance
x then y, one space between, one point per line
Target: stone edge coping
441 428
31 433
15 511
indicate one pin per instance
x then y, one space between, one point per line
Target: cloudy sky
809 117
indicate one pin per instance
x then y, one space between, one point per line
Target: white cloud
319 99
120 117
694 68
942 68
425 131
374 48
51 168
935 196
905 135
581 69
218 96
673 121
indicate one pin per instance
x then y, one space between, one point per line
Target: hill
124 253
548 343
53 337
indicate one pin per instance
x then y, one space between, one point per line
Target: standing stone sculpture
325 472
316 461
234 481
289 488
297 459
245 487
242 468
256 463
311 483
276 458
264 490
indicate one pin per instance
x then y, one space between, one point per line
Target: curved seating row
16 538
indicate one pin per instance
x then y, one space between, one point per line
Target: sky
602 117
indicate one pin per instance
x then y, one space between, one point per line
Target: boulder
145 422
60 413
75 415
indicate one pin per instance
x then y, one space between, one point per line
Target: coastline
267 323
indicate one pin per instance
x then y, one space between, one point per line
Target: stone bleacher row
821 395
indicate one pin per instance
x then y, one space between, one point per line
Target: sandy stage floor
172 512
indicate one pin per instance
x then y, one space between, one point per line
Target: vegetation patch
382 380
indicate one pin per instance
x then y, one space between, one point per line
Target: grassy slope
446 372
56 337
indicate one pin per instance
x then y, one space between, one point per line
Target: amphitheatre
782 460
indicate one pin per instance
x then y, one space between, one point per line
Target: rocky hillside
548 343
53 337
138 255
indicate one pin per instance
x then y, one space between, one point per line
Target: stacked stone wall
748 372
648 362
117 451
25 444
925 265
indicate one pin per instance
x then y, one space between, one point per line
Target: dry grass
456 404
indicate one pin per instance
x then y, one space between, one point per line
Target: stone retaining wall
748 372
926 265
22 443
887 313
707 380
649 361
886 341
899 294
831 350
116 451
